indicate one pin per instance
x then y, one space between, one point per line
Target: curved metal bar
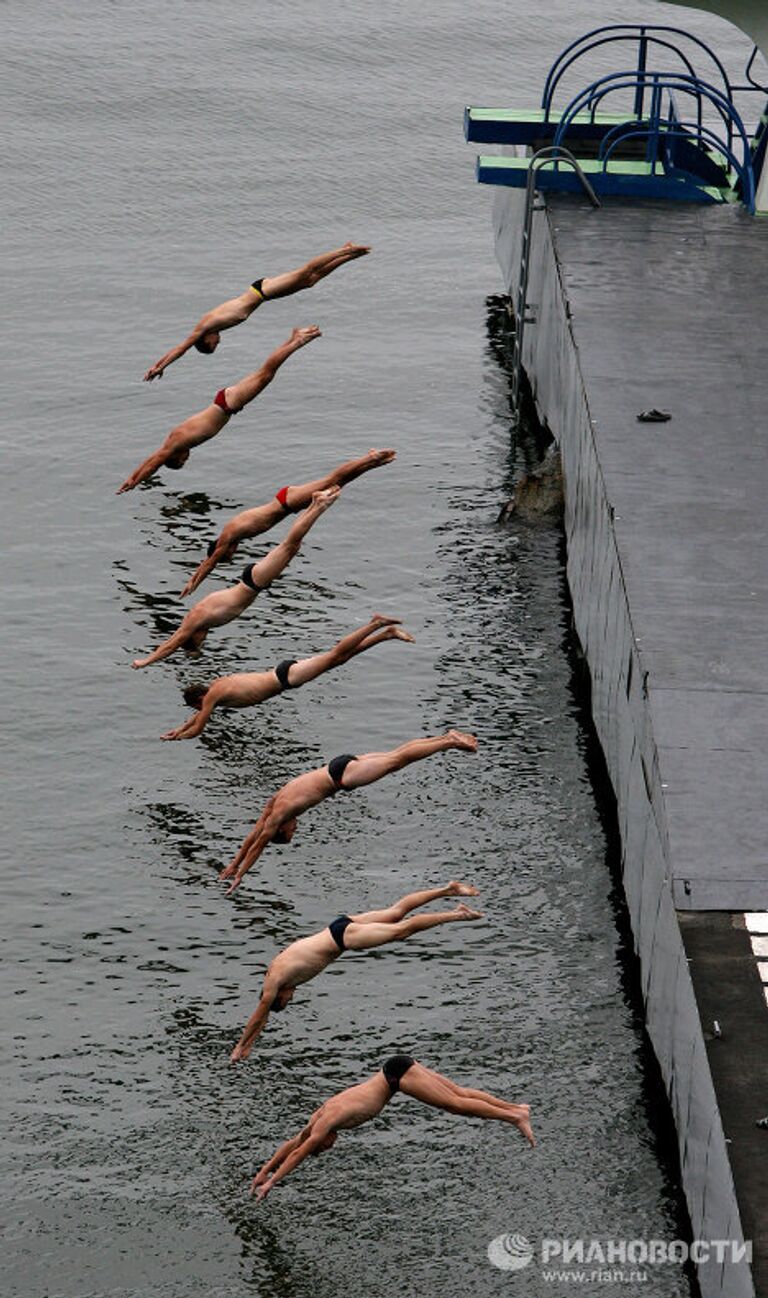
623 131
753 85
561 154
635 72
666 81
592 103
622 32
744 170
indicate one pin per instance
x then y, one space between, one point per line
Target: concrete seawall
667 564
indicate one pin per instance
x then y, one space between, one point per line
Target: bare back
356 1105
222 606
303 792
243 689
232 312
198 428
304 959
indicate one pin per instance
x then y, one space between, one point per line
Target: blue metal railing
644 35
660 124
680 131
590 96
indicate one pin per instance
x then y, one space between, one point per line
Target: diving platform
617 179
667 127
533 126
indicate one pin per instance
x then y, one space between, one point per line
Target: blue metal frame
659 126
751 83
644 35
591 95
715 158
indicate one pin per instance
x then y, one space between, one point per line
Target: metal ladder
552 153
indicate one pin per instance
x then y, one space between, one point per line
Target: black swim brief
281 672
395 1068
338 765
247 579
337 929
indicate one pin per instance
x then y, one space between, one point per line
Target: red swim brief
281 497
220 400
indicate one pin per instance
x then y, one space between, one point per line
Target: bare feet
300 337
398 633
240 1052
463 912
381 619
459 740
523 1123
139 662
381 457
458 889
322 500
356 249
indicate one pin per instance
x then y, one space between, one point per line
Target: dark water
162 157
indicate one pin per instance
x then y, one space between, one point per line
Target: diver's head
208 342
194 694
286 831
178 459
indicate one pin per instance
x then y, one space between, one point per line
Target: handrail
541 156
662 81
643 34
638 72
550 153
679 81
751 83
680 130
597 90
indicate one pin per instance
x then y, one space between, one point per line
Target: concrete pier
656 305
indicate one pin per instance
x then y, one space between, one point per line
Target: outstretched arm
251 851
144 471
278 1157
249 839
194 725
200 573
221 550
165 650
311 1145
222 317
255 1025
157 370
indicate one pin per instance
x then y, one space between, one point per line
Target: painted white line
760 946
757 921
762 969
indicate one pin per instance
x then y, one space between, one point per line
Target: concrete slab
666 309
